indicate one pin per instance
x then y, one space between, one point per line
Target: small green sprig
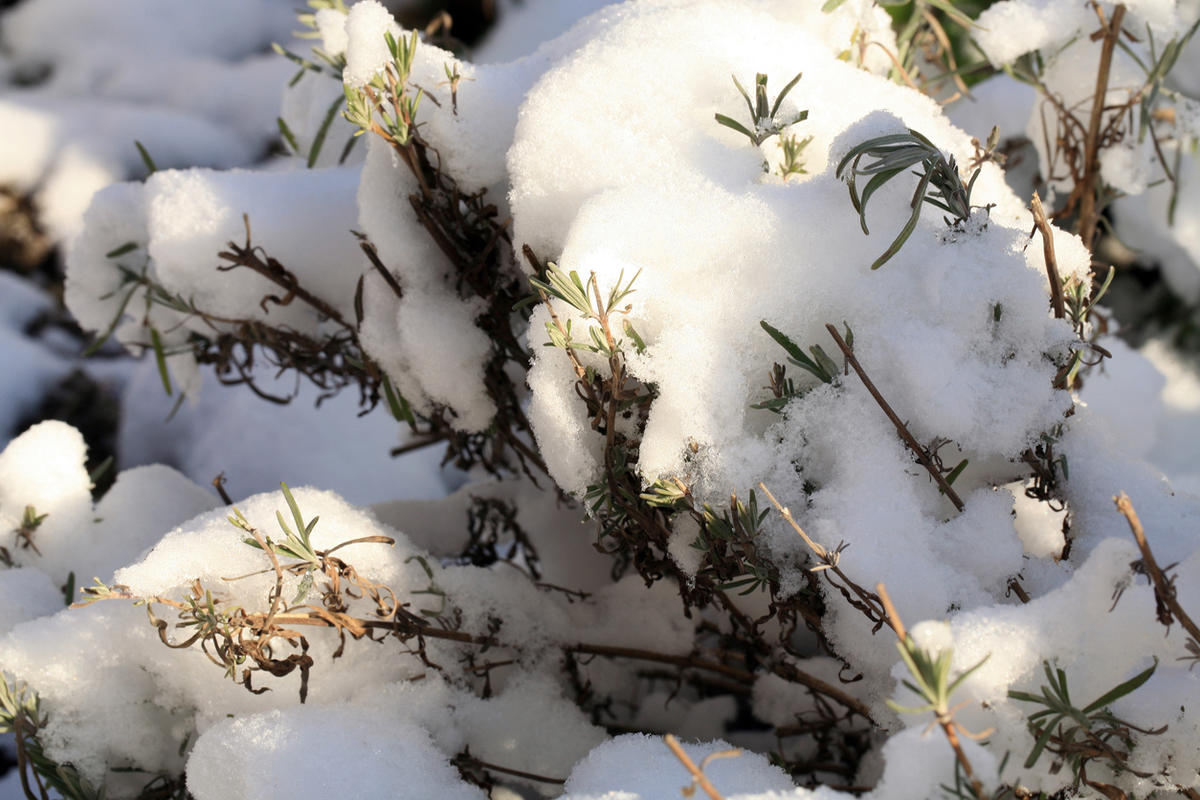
739 524
930 673
931 682
793 156
21 715
296 544
940 184
592 304
1079 734
819 365
763 114
397 119
670 494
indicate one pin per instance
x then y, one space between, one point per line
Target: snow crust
601 144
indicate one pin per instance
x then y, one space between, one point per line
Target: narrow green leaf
783 93
637 339
966 674
302 591
295 509
397 403
350 142
288 136
146 159
783 341
319 138
160 359
873 185
953 13
909 226
69 588
1121 690
954 473
729 122
1042 741
128 247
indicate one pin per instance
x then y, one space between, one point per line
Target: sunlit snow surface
602 146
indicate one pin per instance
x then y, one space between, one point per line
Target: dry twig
902 429
1169 608
697 772
945 718
1043 226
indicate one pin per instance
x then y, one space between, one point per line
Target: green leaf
1042 741
287 134
1121 690
146 159
350 142
783 93
160 359
295 509
729 122
953 13
831 5
954 473
69 588
787 344
128 247
638 343
397 404
873 185
966 674
909 226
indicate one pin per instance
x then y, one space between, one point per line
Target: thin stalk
1162 586
698 776
901 428
1043 226
945 720
1088 213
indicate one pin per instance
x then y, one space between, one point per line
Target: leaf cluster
591 304
297 545
1078 735
21 716
398 116
764 115
940 185
729 535
930 672
819 365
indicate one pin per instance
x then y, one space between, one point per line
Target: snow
597 143
640 767
307 752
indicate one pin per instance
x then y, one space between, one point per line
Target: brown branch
1164 591
901 428
470 760
1043 226
373 256
944 718
612 651
24 763
698 776
830 559
782 669
790 673
219 484
1088 214
247 256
